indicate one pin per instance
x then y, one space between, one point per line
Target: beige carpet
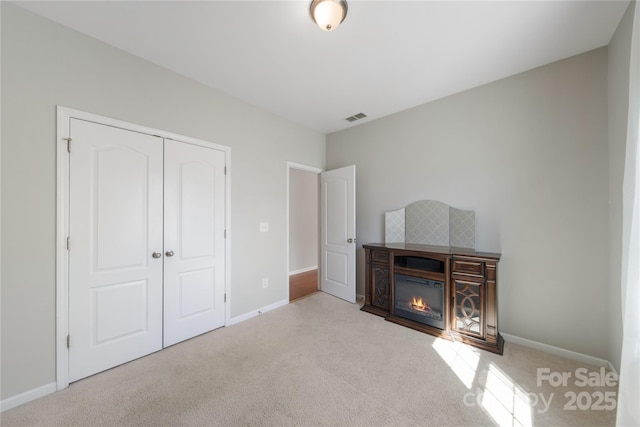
319 361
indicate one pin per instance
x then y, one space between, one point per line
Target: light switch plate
264 227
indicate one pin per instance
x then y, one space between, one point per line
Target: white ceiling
386 56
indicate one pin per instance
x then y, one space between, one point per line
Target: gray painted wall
529 154
619 51
538 174
303 219
45 64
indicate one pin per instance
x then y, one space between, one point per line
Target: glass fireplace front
418 299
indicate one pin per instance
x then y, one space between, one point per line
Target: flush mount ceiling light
328 14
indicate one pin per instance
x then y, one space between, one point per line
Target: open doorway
302 229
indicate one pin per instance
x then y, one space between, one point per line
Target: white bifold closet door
146 256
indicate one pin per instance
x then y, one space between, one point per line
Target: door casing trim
306 168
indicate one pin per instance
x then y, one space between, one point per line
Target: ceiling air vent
356 117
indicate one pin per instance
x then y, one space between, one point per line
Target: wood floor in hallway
303 284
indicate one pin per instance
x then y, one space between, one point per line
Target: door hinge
68 143
67 341
68 242
225 170
225 233
225 297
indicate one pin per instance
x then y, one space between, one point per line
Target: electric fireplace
450 293
419 299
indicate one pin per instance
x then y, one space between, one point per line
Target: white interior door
194 240
115 227
337 233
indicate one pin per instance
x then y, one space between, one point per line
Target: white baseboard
579 357
27 396
303 270
257 312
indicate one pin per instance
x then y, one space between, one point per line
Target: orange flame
418 304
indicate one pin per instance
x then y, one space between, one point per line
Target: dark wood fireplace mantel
470 278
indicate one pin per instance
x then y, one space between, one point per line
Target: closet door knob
169 253
156 255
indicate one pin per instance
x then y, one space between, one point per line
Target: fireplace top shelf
419 263
428 249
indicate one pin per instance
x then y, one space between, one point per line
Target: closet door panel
196 210
194 240
115 283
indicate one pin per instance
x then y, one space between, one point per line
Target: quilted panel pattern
394 228
463 228
427 223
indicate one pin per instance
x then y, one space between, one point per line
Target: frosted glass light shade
328 14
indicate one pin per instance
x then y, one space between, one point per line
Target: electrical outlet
264 227
265 282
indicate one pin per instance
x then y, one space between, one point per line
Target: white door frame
306 168
62 222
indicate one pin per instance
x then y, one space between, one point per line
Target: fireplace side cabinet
378 277
471 298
